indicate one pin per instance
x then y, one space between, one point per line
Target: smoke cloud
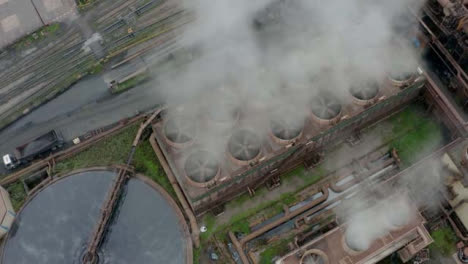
377 211
271 58
267 56
367 225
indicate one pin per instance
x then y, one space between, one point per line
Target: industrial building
256 145
332 247
251 158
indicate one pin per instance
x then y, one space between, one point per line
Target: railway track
37 70
33 60
59 69
128 11
162 26
50 87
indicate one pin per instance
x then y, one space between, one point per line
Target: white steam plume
311 45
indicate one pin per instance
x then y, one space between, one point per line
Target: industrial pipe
454 225
286 217
178 191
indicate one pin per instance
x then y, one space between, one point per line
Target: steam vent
286 129
401 79
244 146
353 244
55 225
201 167
223 112
363 94
179 131
314 257
325 109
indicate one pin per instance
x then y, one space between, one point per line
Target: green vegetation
422 135
114 150
36 36
268 208
288 198
241 226
277 249
444 241
130 83
96 68
209 221
146 162
110 151
18 194
196 255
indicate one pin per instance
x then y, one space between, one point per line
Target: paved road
85 106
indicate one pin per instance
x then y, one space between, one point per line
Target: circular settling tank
244 146
179 132
201 168
363 94
55 225
325 109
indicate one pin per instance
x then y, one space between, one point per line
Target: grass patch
241 226
115 150
313 176
130 83
299 170
146 162
196 255
110 151
209 220
240 221
422 135
444 241
288 198
36 36
96 68
277 249
18 194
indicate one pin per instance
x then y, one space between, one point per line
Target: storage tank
55 224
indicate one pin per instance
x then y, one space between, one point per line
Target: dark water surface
147 230
56 225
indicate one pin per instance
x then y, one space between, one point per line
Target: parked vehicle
42 145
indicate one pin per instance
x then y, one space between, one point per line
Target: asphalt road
85 106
